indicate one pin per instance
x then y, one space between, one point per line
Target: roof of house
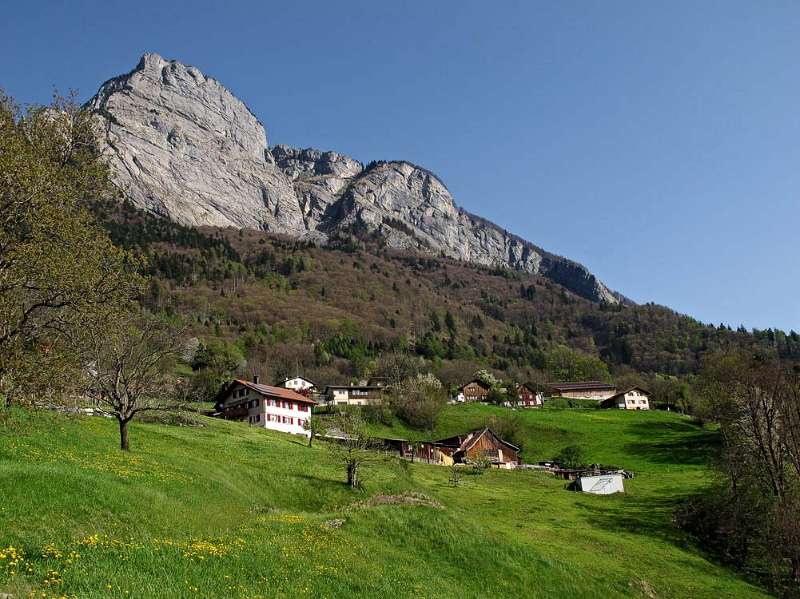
359 387
477 382
621 393
267 391
529 386
583 385
466 441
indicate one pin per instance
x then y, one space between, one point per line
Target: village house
298 384
474 390
468 448
354 395
634 398
275 408
528 396
596 390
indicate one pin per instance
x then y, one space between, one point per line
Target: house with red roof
275 408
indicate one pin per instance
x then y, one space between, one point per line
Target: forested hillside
281 306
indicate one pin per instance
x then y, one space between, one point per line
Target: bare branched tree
130 367
352 445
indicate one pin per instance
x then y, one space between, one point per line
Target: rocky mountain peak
182 146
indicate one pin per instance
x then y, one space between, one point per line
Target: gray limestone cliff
182 146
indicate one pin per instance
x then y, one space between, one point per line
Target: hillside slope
229 511
329 312
182 146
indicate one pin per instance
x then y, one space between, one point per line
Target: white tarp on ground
602 484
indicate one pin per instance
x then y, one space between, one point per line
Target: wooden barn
596 390
474 390
528 396
467 448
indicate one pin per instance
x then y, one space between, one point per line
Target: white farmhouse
265 406
634 398
298 384
354 395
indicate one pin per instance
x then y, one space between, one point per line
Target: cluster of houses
529 396
287 407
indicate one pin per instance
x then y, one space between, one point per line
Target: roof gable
579 386
470 442
292 378
265 391
481 384
622 393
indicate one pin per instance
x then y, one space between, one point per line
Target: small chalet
596 390
354 395
528 396
474 390
269 407
298 384
634 398
468 448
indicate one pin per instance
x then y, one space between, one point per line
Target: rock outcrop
182 146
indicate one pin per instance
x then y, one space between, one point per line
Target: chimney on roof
255 379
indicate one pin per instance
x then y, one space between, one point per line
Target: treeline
751 517
517 324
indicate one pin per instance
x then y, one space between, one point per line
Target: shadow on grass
694 446
650 517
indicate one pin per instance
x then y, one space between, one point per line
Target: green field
228 511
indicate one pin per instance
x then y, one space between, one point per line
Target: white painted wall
279 415
633 400
604 484
297 384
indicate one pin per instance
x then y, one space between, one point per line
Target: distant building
528 396
474 390
596 390
634 398
354 395
470 447
275 408
298 384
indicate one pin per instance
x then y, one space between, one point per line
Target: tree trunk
795 569
352 474
123 435
310 439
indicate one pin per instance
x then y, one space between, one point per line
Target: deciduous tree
56 264
130 360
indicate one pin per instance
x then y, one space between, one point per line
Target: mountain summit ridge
184 147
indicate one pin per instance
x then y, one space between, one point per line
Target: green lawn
229 511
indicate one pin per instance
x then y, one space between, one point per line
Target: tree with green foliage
57 266
316 428
571 457
566 364
215 362
352 446
419 401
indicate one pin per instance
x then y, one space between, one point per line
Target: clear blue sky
656 142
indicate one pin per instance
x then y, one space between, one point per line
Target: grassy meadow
225 510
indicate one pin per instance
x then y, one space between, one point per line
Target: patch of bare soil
411 498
